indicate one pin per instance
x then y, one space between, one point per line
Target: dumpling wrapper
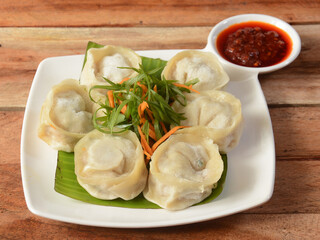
65 115
190 64
99 98
105 62
214 114
110 166
183 171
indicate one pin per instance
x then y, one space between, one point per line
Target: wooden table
33 30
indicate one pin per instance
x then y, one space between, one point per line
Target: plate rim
38 212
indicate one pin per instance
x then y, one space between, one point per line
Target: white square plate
251 165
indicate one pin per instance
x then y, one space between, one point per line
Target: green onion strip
131 94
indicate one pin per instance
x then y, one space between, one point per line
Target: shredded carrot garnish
144 143
124 109
152 133
147 154
142 92
144 88
151 127
150 115
110 98
141 108
148 157
187 87
163 127
142 121
123 80
164 137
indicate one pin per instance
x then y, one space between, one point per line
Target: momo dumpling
215 114
105 62
183 171
98 98
65 115
110 166
191 64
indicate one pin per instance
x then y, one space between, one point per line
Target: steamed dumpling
191 64
65 115
110 166
216 114
183 171
99 98
105 62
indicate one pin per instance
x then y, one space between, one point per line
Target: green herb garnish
146 86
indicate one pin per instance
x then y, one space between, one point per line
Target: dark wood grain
24 48
292 175
148 13
298 83
294 211
31 31
296 188
10 127
296 132
240 226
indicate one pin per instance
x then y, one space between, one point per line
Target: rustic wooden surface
33 30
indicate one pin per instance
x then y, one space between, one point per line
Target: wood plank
295 213
292 176
296 182
292 213
10 128
148 13
298 83
24 48
240 226
296 190
296 132
55 28
21 224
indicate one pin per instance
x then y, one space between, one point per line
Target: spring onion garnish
141 104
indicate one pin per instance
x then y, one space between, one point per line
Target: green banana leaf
91 45
66 181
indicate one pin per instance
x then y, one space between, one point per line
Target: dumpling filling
66 115
214 114
191 64
208 112
109 155
184 160
69 112
106 62
109 68
183 171
190 68
110 166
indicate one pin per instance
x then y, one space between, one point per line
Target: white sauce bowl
237 72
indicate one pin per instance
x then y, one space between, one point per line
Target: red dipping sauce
254 44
